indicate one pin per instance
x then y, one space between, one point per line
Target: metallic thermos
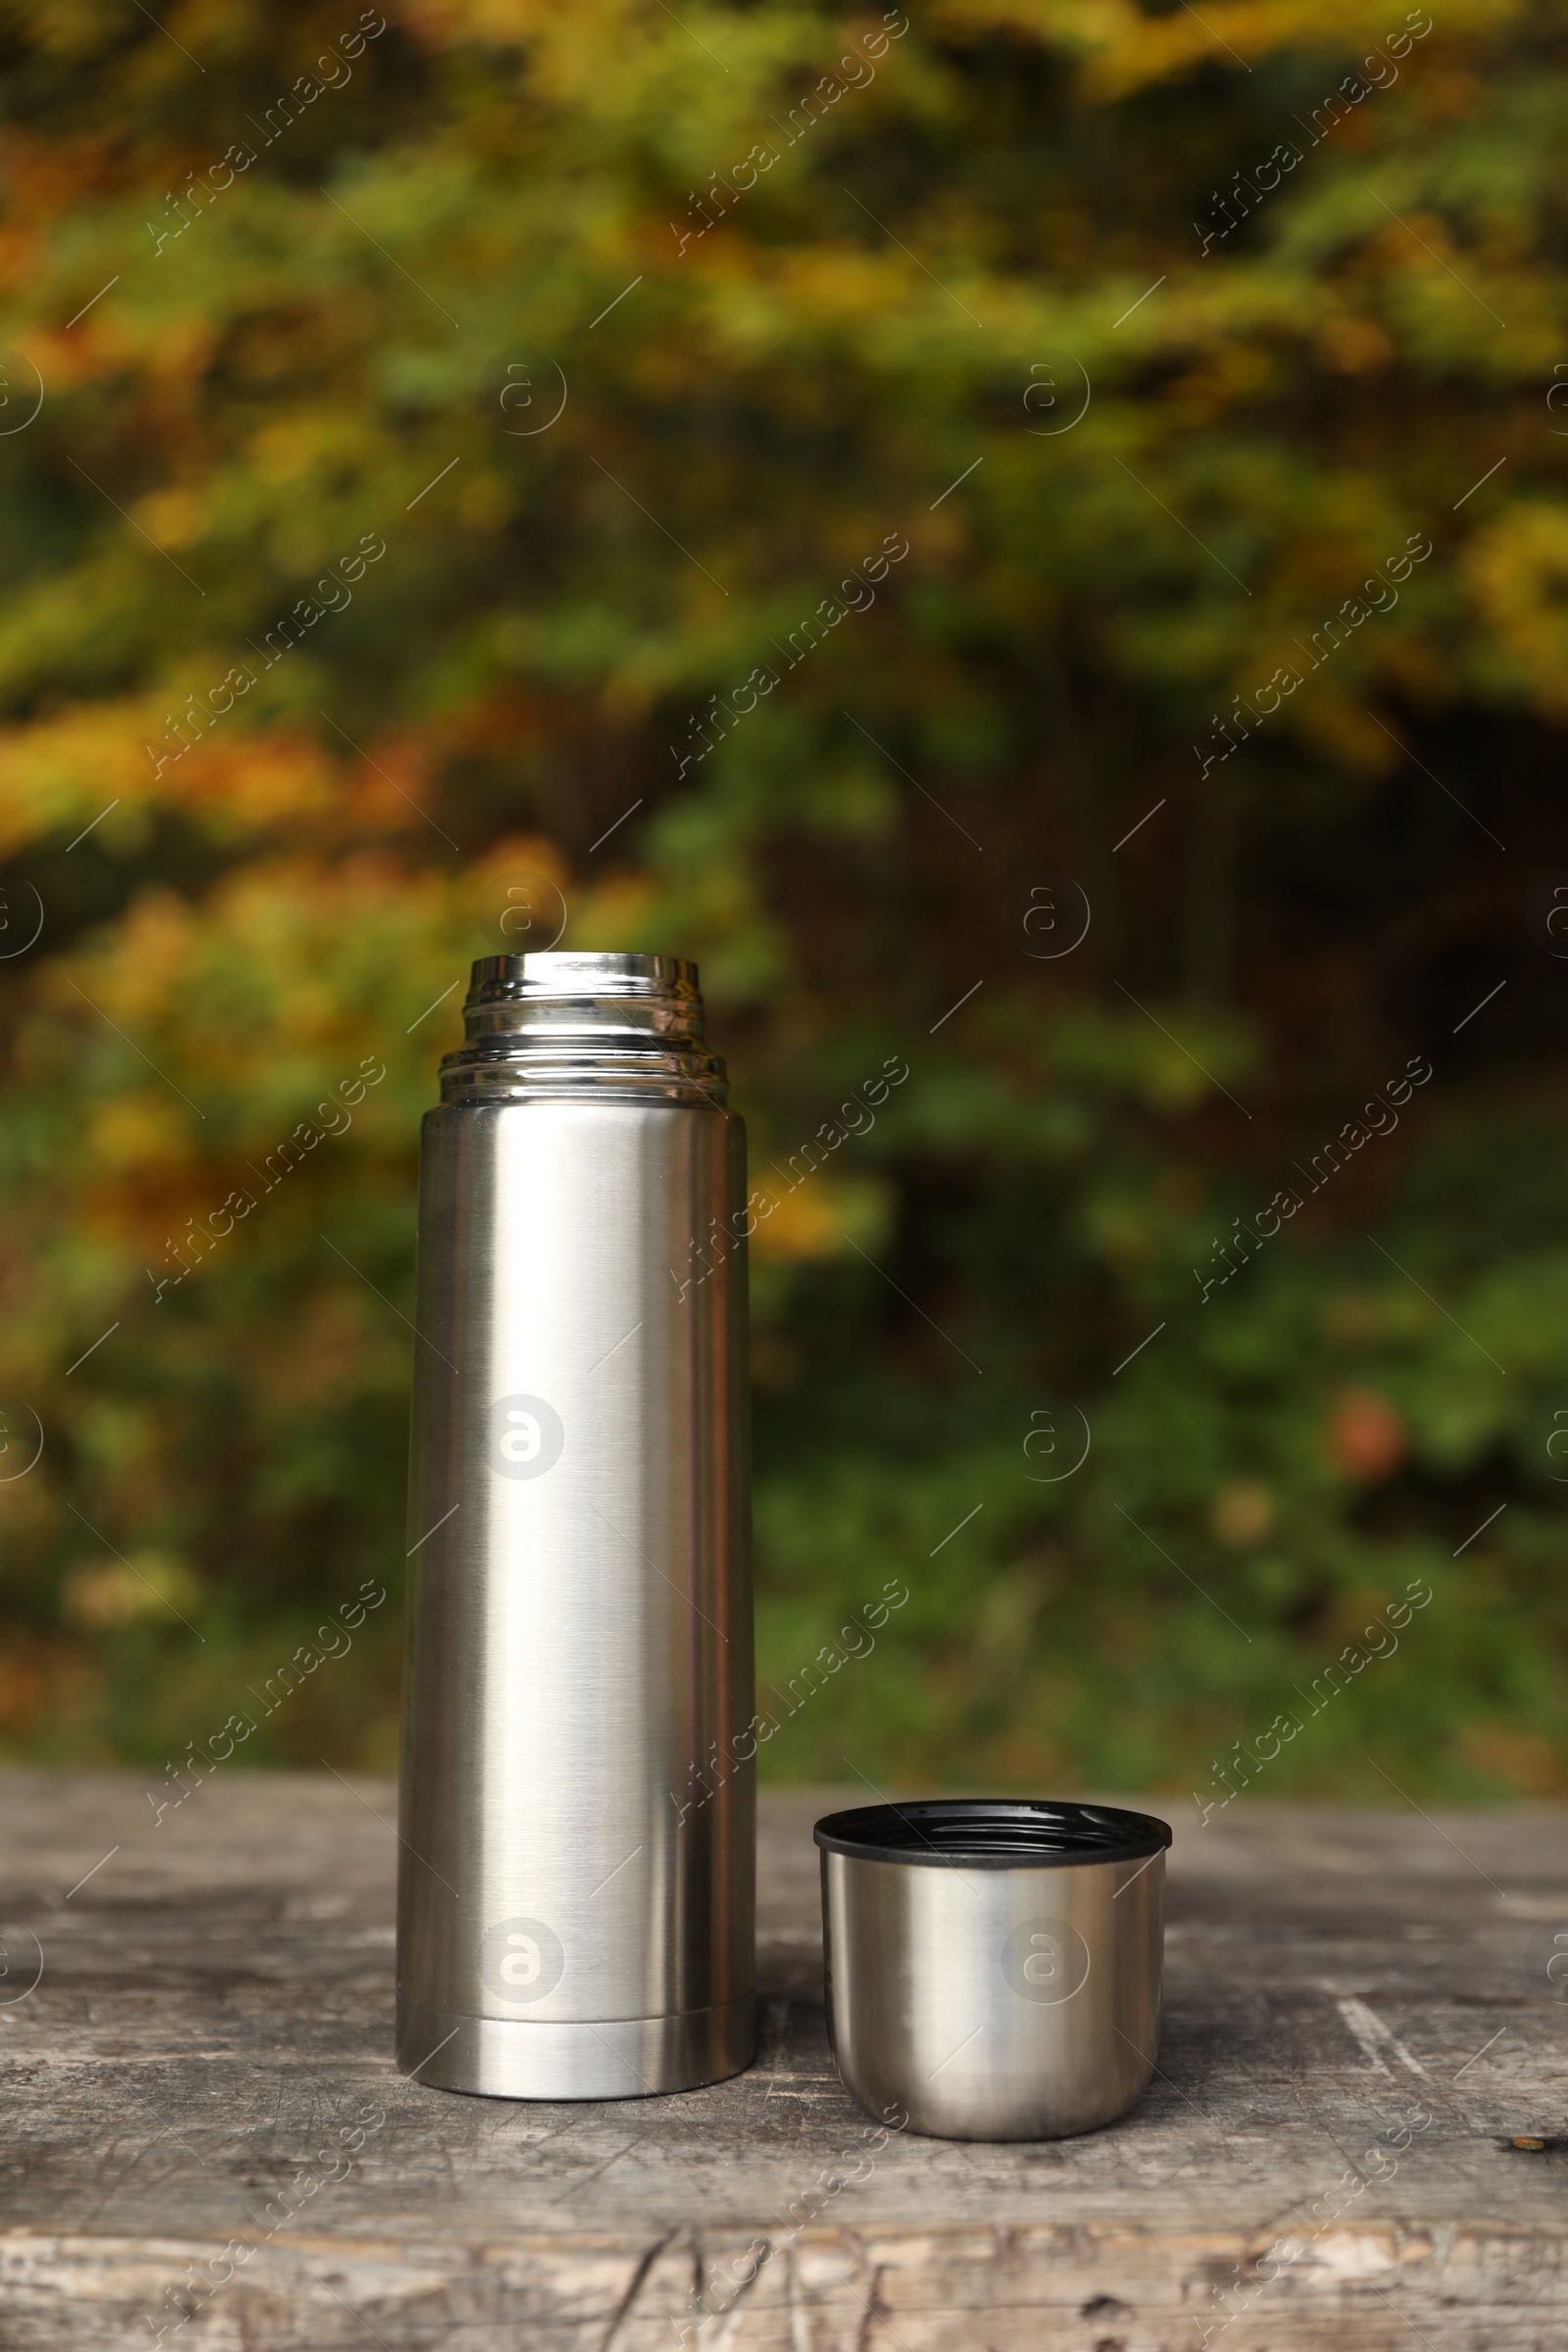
576 1896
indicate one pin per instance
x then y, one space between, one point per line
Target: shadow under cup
994 1964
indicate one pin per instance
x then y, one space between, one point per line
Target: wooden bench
1357 2137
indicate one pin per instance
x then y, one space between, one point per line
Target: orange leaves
135 759
1367 1436
66 770
807 1223
200 1035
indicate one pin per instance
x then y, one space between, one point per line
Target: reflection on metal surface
579 1630
994 1966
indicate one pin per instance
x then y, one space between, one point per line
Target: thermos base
610 2058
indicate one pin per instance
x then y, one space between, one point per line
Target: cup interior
992 1833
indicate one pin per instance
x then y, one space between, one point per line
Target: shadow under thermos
576 1896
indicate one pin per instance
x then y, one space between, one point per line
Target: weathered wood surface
206 2064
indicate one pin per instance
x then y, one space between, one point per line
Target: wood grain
1360 2024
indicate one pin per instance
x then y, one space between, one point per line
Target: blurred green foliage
623 336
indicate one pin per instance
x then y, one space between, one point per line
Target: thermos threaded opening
580 1020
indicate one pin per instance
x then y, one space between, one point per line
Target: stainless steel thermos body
576 1900
994 1966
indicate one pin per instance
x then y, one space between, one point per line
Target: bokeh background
494 387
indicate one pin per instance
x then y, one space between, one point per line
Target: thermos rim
583 972
991 1833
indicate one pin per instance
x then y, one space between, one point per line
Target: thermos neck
570 1022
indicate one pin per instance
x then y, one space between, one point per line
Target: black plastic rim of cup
982 1832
